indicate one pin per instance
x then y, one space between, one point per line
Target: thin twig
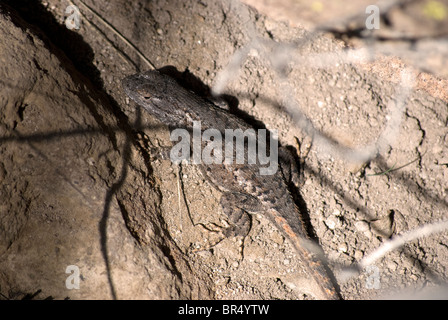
393 244
400 240
392 169
115 31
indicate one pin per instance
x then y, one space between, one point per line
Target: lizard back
177 107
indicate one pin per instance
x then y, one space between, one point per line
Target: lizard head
159 94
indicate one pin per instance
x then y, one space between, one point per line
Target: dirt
77 160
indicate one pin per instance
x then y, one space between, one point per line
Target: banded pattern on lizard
244 189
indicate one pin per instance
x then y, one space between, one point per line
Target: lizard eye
144 94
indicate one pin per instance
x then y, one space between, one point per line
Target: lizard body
244 188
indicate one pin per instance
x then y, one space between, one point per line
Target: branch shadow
71 49
76 58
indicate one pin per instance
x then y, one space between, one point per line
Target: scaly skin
244 188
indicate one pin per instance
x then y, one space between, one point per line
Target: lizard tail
313 264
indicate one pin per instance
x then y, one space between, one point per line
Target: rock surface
75 160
